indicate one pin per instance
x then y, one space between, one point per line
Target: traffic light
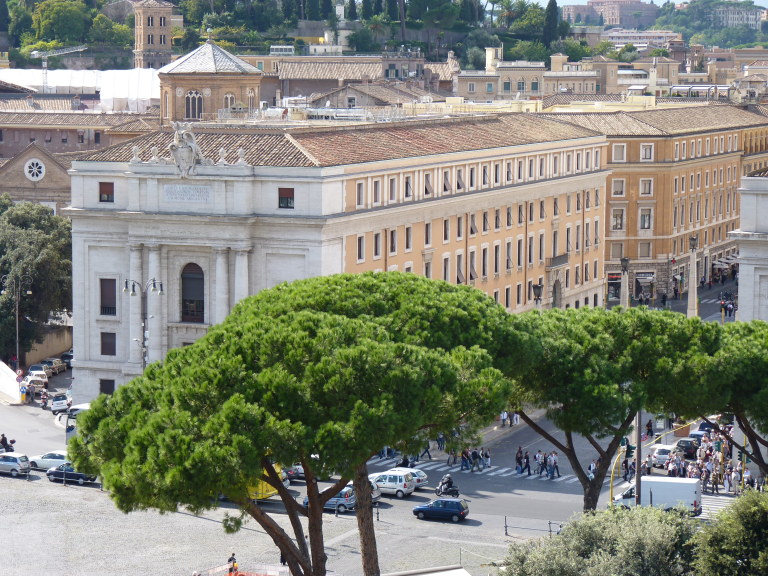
630 451
722 305
624 441
743 457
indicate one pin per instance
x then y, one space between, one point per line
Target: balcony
557 261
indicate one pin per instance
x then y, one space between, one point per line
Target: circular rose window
34 169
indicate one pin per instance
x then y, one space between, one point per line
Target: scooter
44 400
443 490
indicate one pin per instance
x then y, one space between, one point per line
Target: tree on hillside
366 10
36 244
63 20
736 543
551 21
592 370
337 366
393 11
352 10
639 542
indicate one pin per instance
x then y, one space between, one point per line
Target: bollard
506 527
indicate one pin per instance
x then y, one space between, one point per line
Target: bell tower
153 41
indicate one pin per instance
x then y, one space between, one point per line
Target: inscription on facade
185 193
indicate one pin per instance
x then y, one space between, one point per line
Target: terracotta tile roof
307 147
698 119
153 3
47 103
65 159
442 69
664 121
10 87
137 125
209 59
64 119
323 70
562 99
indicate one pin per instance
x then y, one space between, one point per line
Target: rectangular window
519 294
496 173
150 20
162 39
360 248
507 86
96 138
645 218
644 250
578 237
459 179
508 296
459 227
471 87
106 191
619 152
108 344
427 234
485 175
472 225
509 255
446 230
446 181
393 241
408 238
519 252
460 277
150 39
597 197
578 201
489 87
376 192
509 216
446 269
108 290
484 263
509 167
617 219
106 386
541 246
360 196
542 212
427 269
408 189
428 185
285 197
471 177
617 250
555 208
617 188
646 152
497 259
392 189
519 170
162 20
486 224
530 250
646 186
377 245
677 150
497 220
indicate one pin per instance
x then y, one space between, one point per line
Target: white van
664 492
395 482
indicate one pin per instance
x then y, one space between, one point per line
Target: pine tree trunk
368 551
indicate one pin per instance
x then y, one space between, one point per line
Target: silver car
14 464
400 484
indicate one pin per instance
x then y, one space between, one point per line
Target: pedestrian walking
503 417
515 419
526 463
440 441
555 468
519 460
232 561
426 451
487 457
476 462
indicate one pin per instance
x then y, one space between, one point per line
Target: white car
38 375
661 454
48 460
420 477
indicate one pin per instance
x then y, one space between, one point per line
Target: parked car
400 484
687 446
48 460
66 473
41 368
59 403
56 365
661 454
41 375
453 509
699 435
39 385
343 501
67 358
420 477
14 464
375 492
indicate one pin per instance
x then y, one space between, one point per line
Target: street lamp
693 279
15 286
624 282
537 289
134 287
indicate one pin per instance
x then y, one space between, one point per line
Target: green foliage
105 31
351 10
736 543
367 10
551 21
19 24
35 243
64 20
643 541
527 50
4 16
697 24
312 8
336 366
529 26
363 41
191 39
574 49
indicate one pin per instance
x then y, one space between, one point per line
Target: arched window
251 99
194 105
229 100
192 294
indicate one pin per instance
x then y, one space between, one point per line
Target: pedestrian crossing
499 472
712 504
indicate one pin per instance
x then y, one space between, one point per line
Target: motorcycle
444 490
44 400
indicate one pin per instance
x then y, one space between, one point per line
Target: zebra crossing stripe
508 474
562 478
499 471
572 480
428 466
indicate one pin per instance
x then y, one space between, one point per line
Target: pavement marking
563 477
572 480
508 474
498 471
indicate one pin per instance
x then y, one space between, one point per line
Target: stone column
155 303
222 284
241 274
134 304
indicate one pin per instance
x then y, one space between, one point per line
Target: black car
66 473
67 358
453 509
688 446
